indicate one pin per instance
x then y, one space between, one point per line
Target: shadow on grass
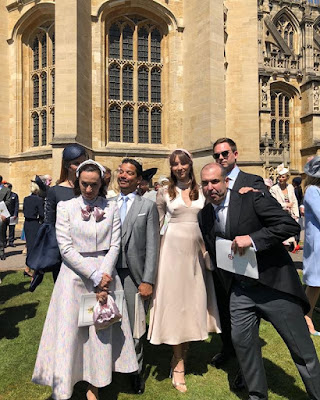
12 290
3 274
11 316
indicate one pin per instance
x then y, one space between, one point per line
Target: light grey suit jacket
140 240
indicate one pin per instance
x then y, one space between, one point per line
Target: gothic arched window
134 69
42 79
286 30
280 117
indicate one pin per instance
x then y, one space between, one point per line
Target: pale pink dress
184 304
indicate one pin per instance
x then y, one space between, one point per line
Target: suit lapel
234 211
130 218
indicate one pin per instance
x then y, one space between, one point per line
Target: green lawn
21 319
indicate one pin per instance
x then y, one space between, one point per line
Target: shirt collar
233 174
131 196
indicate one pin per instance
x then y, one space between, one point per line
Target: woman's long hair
184 159
311 180
90 168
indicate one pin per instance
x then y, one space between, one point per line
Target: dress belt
93 253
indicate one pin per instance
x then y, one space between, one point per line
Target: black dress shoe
3 257
238 383
138 383
219 359
12 245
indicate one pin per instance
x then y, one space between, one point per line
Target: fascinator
163 179
91 162
148 174
312 168
40 183
73 151
281 170
184 151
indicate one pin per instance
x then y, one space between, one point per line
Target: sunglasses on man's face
223 153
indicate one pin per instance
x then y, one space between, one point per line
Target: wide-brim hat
162 179
148 174
73 151
312 168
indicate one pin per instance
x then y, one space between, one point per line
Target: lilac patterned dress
68 354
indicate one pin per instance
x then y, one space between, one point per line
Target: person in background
88 234
5 197
268 182
283 192
156 186
163 181
144 186
33 211
14 211
72 156
107 177
113 187
296 183
311 249
138 260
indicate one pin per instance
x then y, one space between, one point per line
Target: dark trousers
247 306
3 227
11 234
130 289
223 302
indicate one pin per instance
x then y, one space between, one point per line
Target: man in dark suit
226 154
256 220
5 197
138 260
14 211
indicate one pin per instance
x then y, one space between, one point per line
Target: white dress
68 354
184 304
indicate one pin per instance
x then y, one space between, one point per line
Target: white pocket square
140 215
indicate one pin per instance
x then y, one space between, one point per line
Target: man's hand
102 296
240 244
247 189
145 290
104 281
3 218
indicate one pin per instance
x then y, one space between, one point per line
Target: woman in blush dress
311 249
184 291
283 192
88 234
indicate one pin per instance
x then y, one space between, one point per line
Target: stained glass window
127 82
143 122
128 124
156 125
156 85
127 40
44 89
155 46
53 49
143 78
35 48
44 128
114 123
35 118
273 129
52 122
44 51
35 91
114 81
143 44
280 113
114 41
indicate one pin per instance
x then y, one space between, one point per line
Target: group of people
164 253
8 223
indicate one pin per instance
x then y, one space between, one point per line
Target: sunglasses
223 153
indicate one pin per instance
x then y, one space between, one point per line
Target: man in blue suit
14 211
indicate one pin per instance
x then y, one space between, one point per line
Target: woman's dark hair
90 168
70 153
184 159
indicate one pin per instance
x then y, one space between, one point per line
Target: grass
22 316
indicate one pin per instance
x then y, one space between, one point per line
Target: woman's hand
104 281
102 296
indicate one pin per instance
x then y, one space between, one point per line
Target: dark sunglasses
223 153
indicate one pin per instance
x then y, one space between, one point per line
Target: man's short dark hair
135 163
9 186
0 178
230 142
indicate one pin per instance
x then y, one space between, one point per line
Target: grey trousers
130 289
247 306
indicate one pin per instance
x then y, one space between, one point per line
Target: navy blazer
14 204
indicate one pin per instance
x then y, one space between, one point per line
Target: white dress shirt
131 197
232 175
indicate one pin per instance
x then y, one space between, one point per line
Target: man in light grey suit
138 259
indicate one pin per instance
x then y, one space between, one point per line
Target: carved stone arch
151 9
286 88
290 15
35 16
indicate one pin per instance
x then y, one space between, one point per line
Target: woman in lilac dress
88 234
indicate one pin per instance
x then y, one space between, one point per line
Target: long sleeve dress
68 354
311 248
184 305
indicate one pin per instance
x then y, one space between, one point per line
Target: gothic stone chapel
141 77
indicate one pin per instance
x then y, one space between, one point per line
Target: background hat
40 183
73 151
312 168
148 174
281 170
297 180
162 179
